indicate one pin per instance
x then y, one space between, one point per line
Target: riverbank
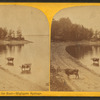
38 78
14 42
12 82
88 81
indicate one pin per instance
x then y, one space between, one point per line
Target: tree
65 30
5 32
54 29
19 34
11 34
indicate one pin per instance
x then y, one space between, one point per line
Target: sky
30 20
88 16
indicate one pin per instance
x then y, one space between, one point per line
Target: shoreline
16 83
39 75
14 42
61 58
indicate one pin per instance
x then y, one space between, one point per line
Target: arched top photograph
24 49
75 49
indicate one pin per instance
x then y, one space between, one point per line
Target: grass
56 82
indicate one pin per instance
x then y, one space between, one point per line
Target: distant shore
62 59
14 42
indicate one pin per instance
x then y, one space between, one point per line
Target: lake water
85 53
36 53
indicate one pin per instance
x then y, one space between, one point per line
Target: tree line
10 34
64 30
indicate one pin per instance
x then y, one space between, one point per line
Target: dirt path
11 82
88 81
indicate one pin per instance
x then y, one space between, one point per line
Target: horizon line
35 35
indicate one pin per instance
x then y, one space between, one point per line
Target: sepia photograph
75 50
24 49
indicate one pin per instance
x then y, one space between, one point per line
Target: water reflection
88 55
10 64
3 49
9 51
96 64
12 48
79 51
25 72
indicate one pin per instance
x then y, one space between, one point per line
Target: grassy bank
56 82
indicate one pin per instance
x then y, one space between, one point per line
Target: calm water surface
84 53
36 53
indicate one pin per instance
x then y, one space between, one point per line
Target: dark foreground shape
10 63
95 59
96 64
26 72
72 72
26 68
10 59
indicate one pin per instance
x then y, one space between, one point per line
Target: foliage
3 33
65 30
10 35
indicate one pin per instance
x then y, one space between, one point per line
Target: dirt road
88 81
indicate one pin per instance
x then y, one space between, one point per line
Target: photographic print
75 50
24 49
